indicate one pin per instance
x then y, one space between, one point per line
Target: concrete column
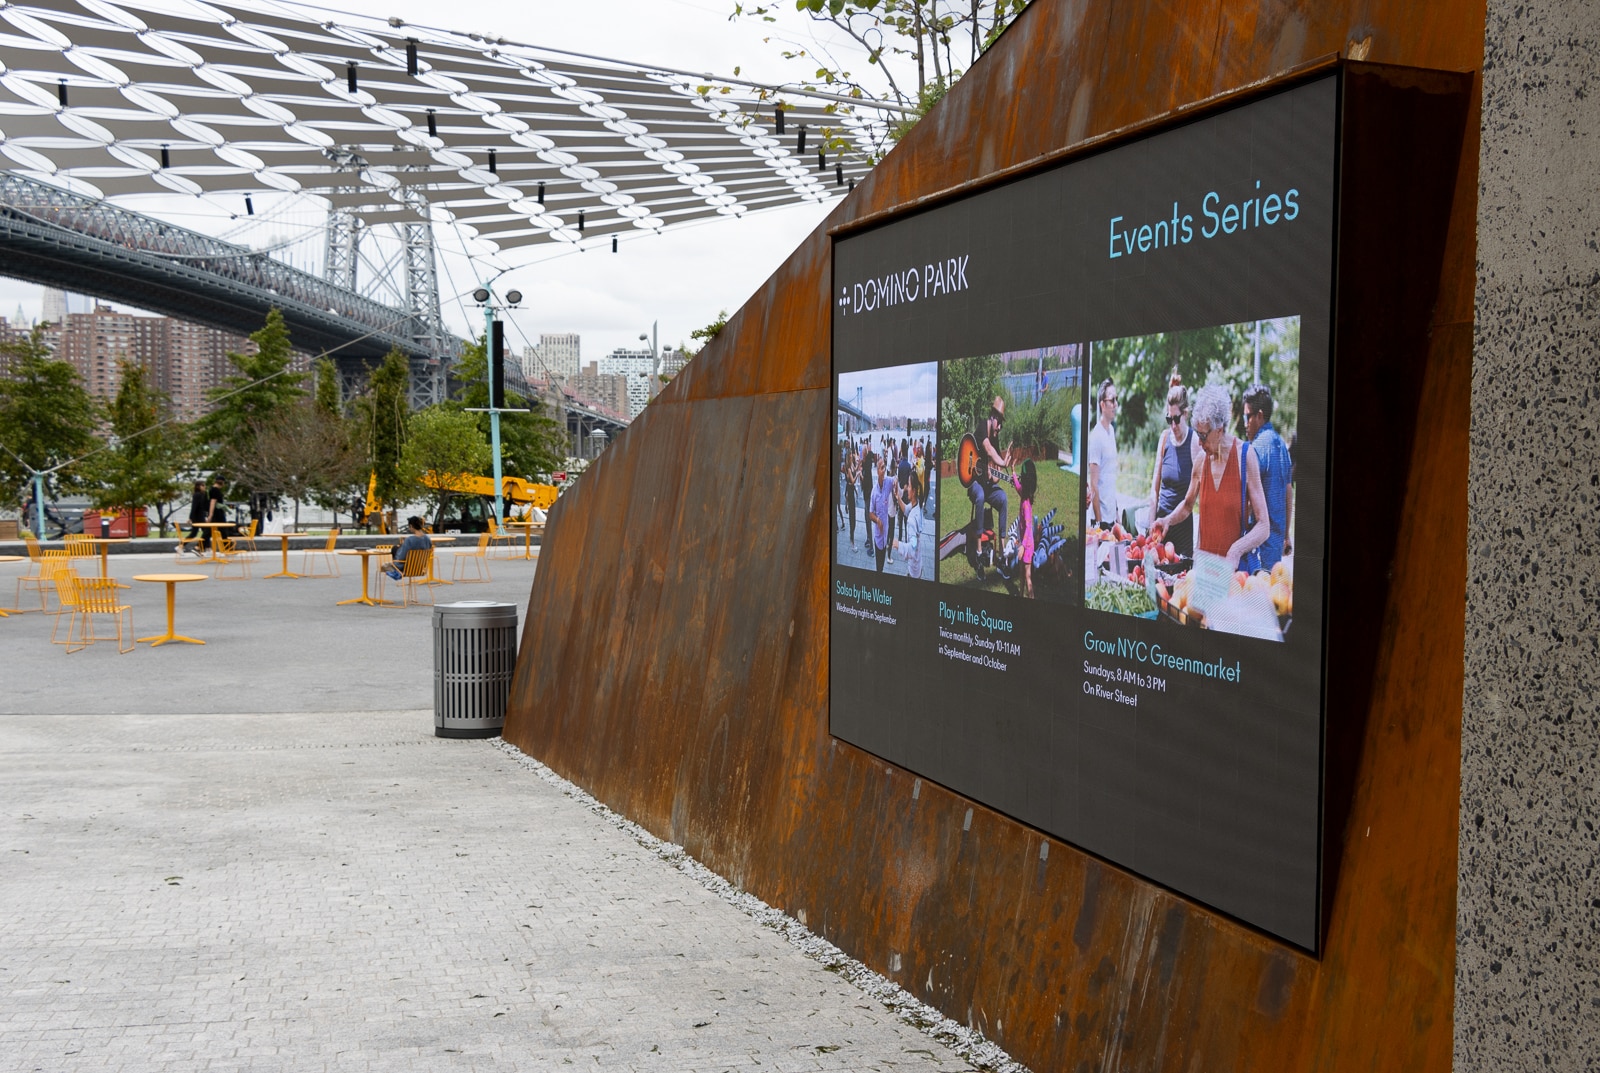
1528 909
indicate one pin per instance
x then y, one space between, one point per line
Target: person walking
199 511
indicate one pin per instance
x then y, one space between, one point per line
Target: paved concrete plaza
862 555
255 855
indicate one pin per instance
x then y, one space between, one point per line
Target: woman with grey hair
1227 485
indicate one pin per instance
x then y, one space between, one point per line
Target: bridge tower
420 276
427 322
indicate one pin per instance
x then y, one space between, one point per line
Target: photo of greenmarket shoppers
1192 515
884 431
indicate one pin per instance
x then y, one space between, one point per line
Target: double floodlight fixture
483 296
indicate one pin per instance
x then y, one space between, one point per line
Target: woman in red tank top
1229 481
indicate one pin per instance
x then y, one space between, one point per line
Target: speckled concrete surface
1528 910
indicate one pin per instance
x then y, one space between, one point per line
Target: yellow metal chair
497 534
479 557
78 546
65 581
229 555
413 577
36 577
52 560
247 540
328 558
187 543
98 596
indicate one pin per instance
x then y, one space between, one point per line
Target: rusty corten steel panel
674 660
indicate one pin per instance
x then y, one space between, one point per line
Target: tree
47 418
1142 367
328 395
301 453
970 385
531 444
339 491
141 464
442 440
381 419
943 37
263 387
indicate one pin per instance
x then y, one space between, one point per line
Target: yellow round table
527 536
216 531
171 581
285 572
365 553
432 559
104 544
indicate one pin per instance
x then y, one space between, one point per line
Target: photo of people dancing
885 425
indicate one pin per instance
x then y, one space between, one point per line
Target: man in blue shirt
1277 473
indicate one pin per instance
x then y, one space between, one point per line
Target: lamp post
485 298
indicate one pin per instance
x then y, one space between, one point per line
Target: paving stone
337 890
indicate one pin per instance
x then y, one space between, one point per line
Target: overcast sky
899 391
682 277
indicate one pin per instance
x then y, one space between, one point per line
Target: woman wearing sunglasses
1177 468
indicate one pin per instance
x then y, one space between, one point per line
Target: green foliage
141 465
47 418
931 94
970 385
1040 424
531 444
381 416
302 452
702 336
1142 367
328 397
442 440
944 37
250 399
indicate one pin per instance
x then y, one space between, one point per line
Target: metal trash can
474 653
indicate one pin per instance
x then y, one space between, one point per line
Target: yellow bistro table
283 539
365 553
216 532
527 536
171 581
12 559
432 579
104 544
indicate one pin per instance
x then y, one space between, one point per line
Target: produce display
1149 575
1119 597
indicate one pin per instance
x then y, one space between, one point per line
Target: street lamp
494 342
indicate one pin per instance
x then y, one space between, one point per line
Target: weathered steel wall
675 656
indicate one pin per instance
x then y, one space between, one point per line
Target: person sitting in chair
985 486
416 538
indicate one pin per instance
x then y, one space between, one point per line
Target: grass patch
1058 490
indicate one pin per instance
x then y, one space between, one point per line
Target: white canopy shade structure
510 143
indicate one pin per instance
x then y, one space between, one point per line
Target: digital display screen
1079 481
